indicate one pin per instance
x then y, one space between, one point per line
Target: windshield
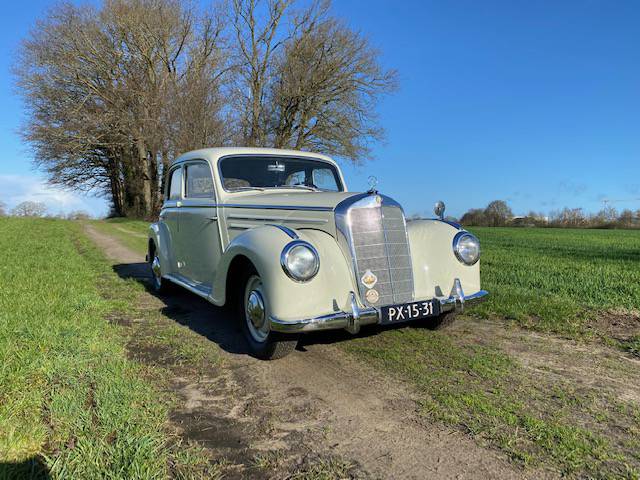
243 173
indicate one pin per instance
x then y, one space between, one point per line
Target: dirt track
316 403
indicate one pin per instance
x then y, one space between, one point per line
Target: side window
199 183
325 179
175 184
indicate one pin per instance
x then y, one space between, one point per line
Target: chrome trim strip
286 230
246 226
187 205
351 321
204 293
308 208
278 219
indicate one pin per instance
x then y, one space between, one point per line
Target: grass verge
72 405
131 233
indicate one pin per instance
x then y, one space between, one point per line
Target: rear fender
159 235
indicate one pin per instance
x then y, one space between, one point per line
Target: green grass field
71 403
559 280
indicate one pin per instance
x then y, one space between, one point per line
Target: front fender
435 266
326 293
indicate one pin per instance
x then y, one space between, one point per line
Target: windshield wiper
239 189
304 187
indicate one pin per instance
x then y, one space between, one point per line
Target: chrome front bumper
353 320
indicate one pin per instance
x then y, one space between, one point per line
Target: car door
199 232
170 217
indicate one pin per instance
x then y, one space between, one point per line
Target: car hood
297 210
298 200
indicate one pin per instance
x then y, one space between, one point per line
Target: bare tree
328 83
569 217
474 217
256 28
100 90
306 83
497 213
29 209
114 92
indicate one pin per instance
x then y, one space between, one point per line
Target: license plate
409 311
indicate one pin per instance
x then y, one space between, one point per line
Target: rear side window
175 184
199 183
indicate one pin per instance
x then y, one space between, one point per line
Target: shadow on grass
220 325
32 469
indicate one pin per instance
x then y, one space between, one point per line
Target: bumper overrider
353 320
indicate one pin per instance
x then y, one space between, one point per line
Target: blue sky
536 103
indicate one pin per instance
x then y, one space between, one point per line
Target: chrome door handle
178 204
212 219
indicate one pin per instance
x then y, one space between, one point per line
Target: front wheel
254 316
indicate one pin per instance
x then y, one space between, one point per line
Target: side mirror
438 209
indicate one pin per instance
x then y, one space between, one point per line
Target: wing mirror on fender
438 209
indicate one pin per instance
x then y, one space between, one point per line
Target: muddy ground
320 405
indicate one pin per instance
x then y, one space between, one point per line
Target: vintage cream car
276 234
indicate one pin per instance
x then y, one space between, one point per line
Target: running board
201 291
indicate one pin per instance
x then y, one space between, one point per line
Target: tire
263 343
441 321
160 285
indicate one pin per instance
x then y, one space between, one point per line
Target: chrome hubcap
255 311
155 268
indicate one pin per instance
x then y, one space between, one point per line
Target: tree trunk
117 189
144 167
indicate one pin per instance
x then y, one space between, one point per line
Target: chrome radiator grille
379 244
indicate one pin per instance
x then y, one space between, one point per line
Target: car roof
214 153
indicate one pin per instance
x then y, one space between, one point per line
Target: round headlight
466 247
300 261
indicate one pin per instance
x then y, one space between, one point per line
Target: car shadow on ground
33 468
220 324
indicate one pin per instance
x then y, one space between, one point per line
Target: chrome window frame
167 197
194 161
